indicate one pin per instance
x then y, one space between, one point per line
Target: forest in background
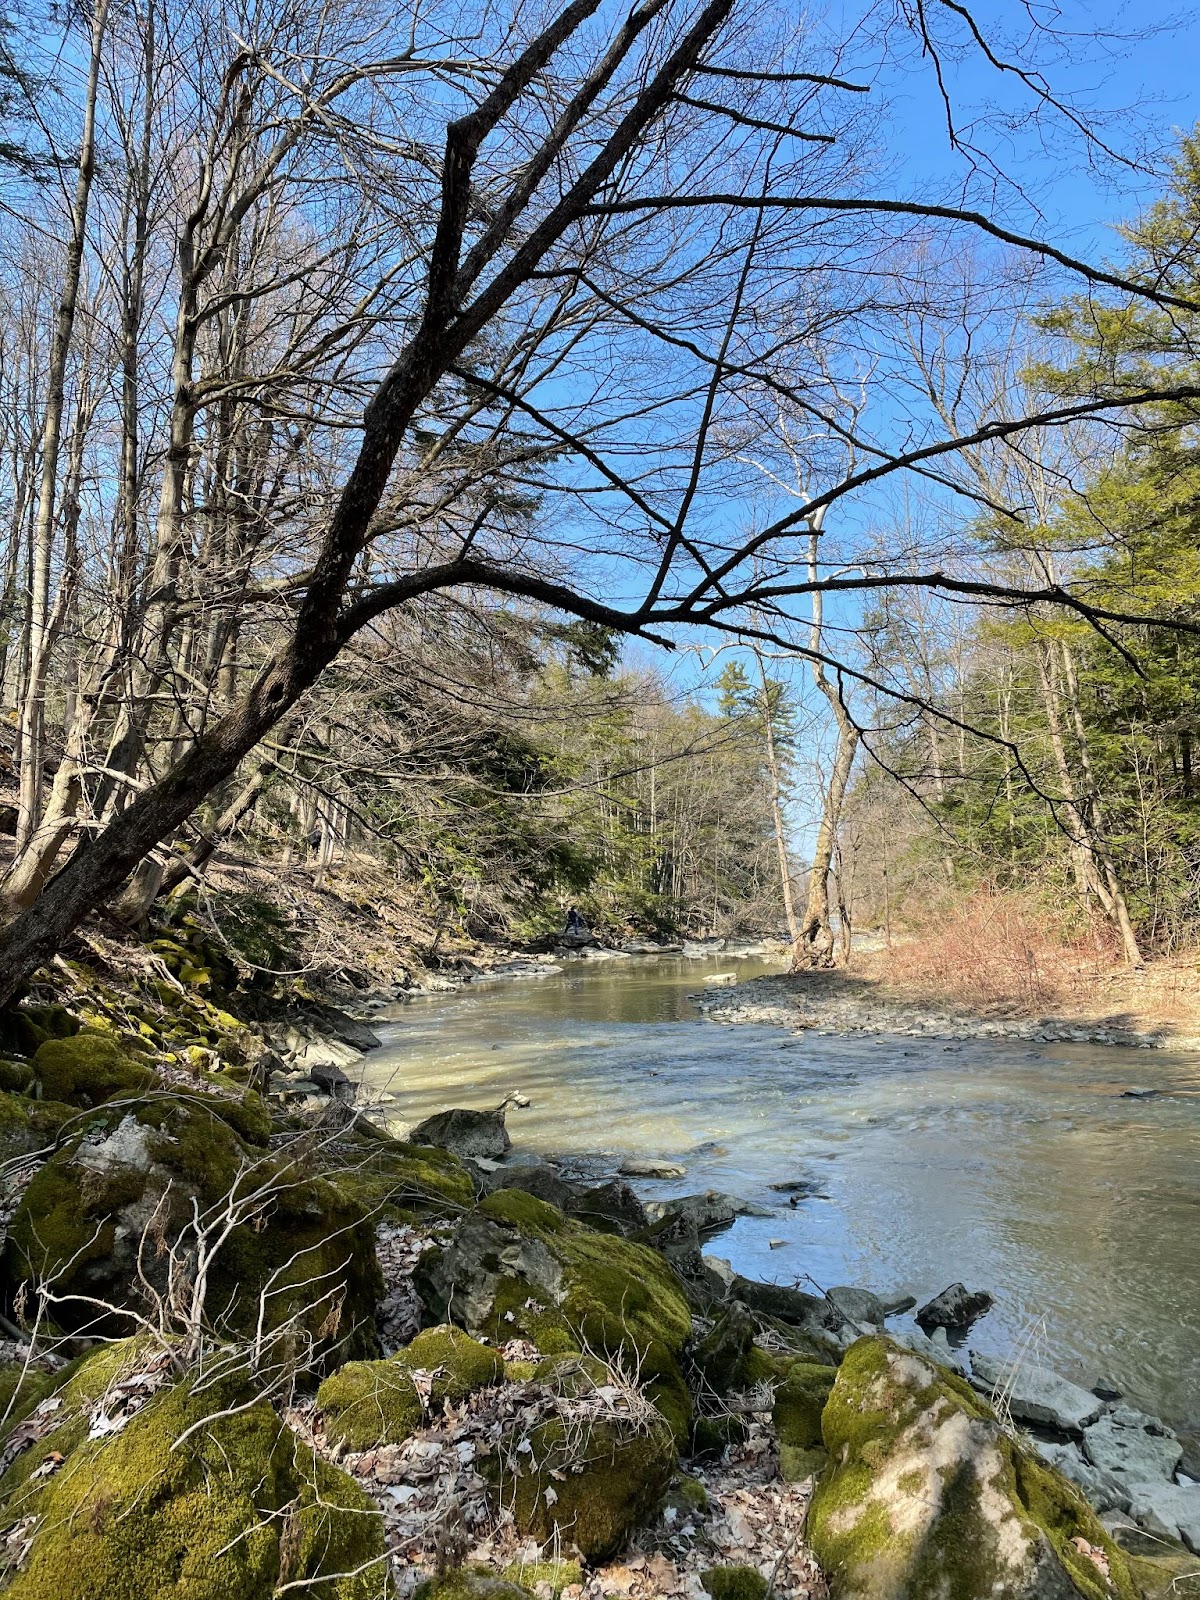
228 643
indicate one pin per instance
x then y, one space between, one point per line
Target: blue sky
1133 73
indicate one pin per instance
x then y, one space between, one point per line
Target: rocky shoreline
258 1344
832 1003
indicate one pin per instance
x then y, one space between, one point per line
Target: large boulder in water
927 1496
471 1135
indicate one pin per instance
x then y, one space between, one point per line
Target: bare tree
475 317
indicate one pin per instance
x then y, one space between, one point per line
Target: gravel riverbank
839 1002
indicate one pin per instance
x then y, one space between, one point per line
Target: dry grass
999 952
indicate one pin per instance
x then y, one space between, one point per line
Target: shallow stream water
1015 1167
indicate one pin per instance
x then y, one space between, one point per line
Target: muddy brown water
1015 1167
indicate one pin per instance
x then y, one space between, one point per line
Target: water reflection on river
1018 1168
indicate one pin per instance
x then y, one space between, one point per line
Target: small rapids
1016 1167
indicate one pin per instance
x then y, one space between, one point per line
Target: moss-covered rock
29 1127
397 1181
464 1584
517 1268
799 1401
22 1387
135 1174
587 1484
711 1436
734 1583
925 1496
238 1508
368 1403
89 1069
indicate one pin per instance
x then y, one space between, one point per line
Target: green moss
15 1077
712 1436
607 1479
799 1401
21 1389
19 1034
926 1497
368 1403
735 1583
240 1507
555 1575
88 1069
310 1249
401 1181
687 1496
467 1585
797 1465
519 1371
523 1211
27 1126
462 1364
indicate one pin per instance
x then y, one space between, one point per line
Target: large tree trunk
1095 871
814 944
773 772
40 632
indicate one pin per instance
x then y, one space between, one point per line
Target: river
1015 1167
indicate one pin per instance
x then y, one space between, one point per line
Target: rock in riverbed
640 1167
1169 1509
955 1308
465 1133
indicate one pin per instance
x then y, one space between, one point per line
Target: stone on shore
1137 1448
955 1308
927 1496
588 1485
537 1178
1037 1395
645 1167
1104 1491
859 1306
610 1207
1169 1509
468 1134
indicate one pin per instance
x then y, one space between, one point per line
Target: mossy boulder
397 1181
587 1483
129 1183
89 1069
237 1509
464 1584
22 1387
29 1127
727 1360
926 1496
368 1403
517 1268
799 1402
734 1583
